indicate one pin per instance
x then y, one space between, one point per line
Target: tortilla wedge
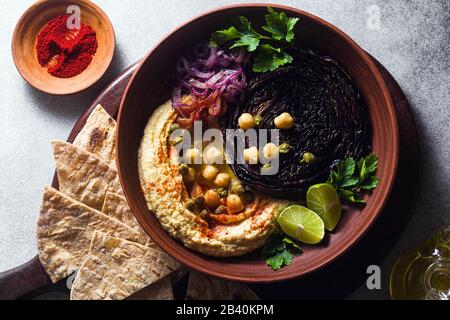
98 135
83 176
116 268
203 287
64 231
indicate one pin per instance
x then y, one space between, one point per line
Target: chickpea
212 199
222 180
192 156
210 173
234 203
246 121
284 121
251 155
213 155
190 175
271 151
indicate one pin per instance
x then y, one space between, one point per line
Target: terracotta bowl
24 46
149 87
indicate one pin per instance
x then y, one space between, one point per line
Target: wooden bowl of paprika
63 47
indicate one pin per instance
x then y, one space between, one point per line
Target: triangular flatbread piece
64 231
203 287
84 176
98 135
116 268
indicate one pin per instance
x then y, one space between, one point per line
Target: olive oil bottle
424 273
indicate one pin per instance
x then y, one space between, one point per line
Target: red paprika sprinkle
65 52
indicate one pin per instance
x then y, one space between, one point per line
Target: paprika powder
65 52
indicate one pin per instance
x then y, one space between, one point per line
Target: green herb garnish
351 178
269 49
279 251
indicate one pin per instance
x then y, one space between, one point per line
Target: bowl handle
20 281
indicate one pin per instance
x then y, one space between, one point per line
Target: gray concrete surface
412 41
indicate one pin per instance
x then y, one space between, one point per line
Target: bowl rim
86 85
389 177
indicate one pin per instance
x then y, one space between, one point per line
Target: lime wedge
324 200
301 224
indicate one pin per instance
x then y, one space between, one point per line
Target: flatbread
203 287
64 231
98 135
84 176
160 290
116 268
117 207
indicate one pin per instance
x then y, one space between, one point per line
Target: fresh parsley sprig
351 178
268 48
279 251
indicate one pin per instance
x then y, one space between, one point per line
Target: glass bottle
424 273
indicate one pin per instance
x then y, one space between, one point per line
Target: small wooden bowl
24 46
150 86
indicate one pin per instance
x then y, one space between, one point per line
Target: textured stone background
413 43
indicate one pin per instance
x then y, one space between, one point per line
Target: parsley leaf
220 37
350 178
268 57
280 26
280 259
280 251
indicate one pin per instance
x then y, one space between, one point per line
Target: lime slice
302 224
324 200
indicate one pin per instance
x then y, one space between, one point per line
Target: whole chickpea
246 121
271 150
210 173
212 199
193 156
222 180
284 121
213 155
251 155
234 203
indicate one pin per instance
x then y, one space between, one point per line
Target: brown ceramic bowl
149 87
24 46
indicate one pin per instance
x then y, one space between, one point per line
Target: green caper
267 166
258 120
173 127
190 205
248 196
199 201
222 192
204 214
183 168
177 140
308 158
285 147
221 210
236 187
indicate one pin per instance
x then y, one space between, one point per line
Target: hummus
166 196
